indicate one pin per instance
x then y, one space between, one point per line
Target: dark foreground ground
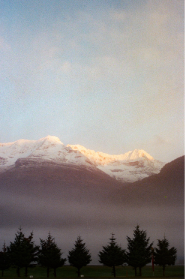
99 272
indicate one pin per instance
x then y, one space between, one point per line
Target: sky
105 74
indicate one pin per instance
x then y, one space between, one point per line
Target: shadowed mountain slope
47 179
166 187
50 180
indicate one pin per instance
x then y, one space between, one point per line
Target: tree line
23 253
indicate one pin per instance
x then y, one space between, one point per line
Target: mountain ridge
129 167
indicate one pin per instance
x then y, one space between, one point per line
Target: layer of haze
93 222
104 74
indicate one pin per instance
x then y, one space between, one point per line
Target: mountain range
70 190
129 167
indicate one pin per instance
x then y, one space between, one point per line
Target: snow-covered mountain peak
129 167
137 154
50 140
49 148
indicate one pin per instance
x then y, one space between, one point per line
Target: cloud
158 140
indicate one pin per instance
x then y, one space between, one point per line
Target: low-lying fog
94 223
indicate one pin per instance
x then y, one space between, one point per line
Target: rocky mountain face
129 167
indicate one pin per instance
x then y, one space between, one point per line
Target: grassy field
98 272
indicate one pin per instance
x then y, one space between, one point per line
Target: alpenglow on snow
129 167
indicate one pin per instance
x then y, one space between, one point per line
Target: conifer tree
163 255
50 255
31 254
79 256
112 255
22 251
4 260
139 250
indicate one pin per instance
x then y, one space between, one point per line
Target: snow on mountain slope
100 158
128 167
10 152
49 148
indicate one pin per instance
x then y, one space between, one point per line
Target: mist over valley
69 200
